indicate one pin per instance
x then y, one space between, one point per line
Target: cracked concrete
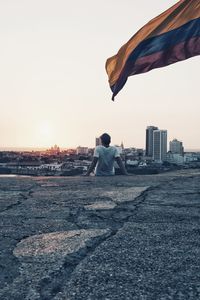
123 237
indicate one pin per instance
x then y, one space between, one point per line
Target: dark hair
105 139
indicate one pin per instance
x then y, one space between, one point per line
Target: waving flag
171 37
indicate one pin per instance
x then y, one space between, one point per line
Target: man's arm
121 165
92 166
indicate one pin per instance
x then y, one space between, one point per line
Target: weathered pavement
135 237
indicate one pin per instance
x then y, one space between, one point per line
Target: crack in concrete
50 287
18 202
11 206
24 197
10 189
175 205
114 218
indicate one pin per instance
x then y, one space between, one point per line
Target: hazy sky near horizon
54 87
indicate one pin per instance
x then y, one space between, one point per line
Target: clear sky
54 88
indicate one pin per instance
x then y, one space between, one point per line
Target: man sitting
104 158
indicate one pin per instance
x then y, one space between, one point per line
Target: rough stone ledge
131 237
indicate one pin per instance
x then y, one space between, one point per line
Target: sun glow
46 134
45 129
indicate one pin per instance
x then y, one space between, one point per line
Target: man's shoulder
97 151
98 147
102 148
113 149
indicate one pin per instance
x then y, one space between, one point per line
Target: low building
175 158
82 150
55 150
190 157
130 162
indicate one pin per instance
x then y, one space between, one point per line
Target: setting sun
45 129
45 134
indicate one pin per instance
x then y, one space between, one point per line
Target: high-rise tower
159 145
149 140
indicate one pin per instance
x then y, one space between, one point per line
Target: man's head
105 139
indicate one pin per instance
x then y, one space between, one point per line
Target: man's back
106 158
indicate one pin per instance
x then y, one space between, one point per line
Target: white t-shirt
106 158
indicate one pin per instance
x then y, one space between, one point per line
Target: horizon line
18 149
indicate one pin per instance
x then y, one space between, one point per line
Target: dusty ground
134 237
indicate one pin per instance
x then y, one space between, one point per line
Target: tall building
97 141
176 147
149 140
159 145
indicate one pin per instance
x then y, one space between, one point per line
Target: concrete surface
122 237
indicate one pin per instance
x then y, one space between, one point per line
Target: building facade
149 140
82 150
97 141
175 158
176 147
159 145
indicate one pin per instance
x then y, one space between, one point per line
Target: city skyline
148 143
54 87
171 144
